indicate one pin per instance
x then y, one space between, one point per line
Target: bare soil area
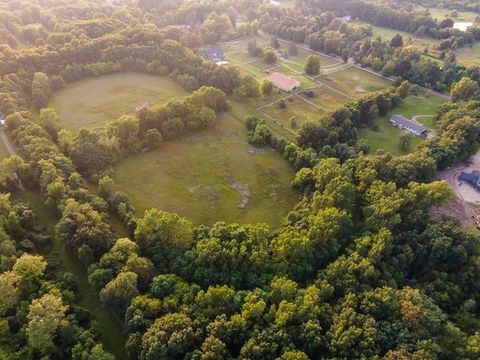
466 200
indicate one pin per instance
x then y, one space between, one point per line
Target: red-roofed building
284 82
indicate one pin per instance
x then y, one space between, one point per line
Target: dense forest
358 269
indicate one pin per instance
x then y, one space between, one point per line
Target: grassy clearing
109 326
408 38
3 151
387 136
304 52
262 65
355 82
469 55
93 102
196 175
326 97
244 107
440 14
296 109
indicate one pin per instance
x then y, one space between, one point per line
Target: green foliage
312 65
163 236
465 89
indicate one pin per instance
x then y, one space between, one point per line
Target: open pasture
325 97
338 83
304 52
469 55
92 102
354 82
440 14
296 111
209 176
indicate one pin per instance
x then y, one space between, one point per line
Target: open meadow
92 102
211 176
386 137
354 82
205 177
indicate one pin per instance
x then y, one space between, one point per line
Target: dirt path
421 116
8 146
465 197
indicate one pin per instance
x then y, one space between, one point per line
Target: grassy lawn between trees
387 136
94 101
199 176
3 151
206 176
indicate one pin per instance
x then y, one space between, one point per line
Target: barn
409 125
284 82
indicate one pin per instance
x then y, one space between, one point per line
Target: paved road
5 140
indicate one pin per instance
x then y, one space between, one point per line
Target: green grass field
326 98
440 14
295 108
94 101
355 82
387 136
469 55
200 177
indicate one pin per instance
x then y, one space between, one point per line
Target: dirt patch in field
360 89
466 200
244 191
204 193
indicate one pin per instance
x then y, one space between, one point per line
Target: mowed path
8 146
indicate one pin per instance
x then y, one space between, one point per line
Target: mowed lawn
326 97
469 55
92 102
295 112
205 176
387 135
3 151
355 82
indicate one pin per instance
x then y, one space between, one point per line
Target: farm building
409 125
472 179
284 82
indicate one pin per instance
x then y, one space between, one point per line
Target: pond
462 25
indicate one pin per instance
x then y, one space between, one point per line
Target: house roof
283 82
401 120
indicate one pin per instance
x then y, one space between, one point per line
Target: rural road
9 146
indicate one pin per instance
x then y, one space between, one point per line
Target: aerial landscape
239 179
